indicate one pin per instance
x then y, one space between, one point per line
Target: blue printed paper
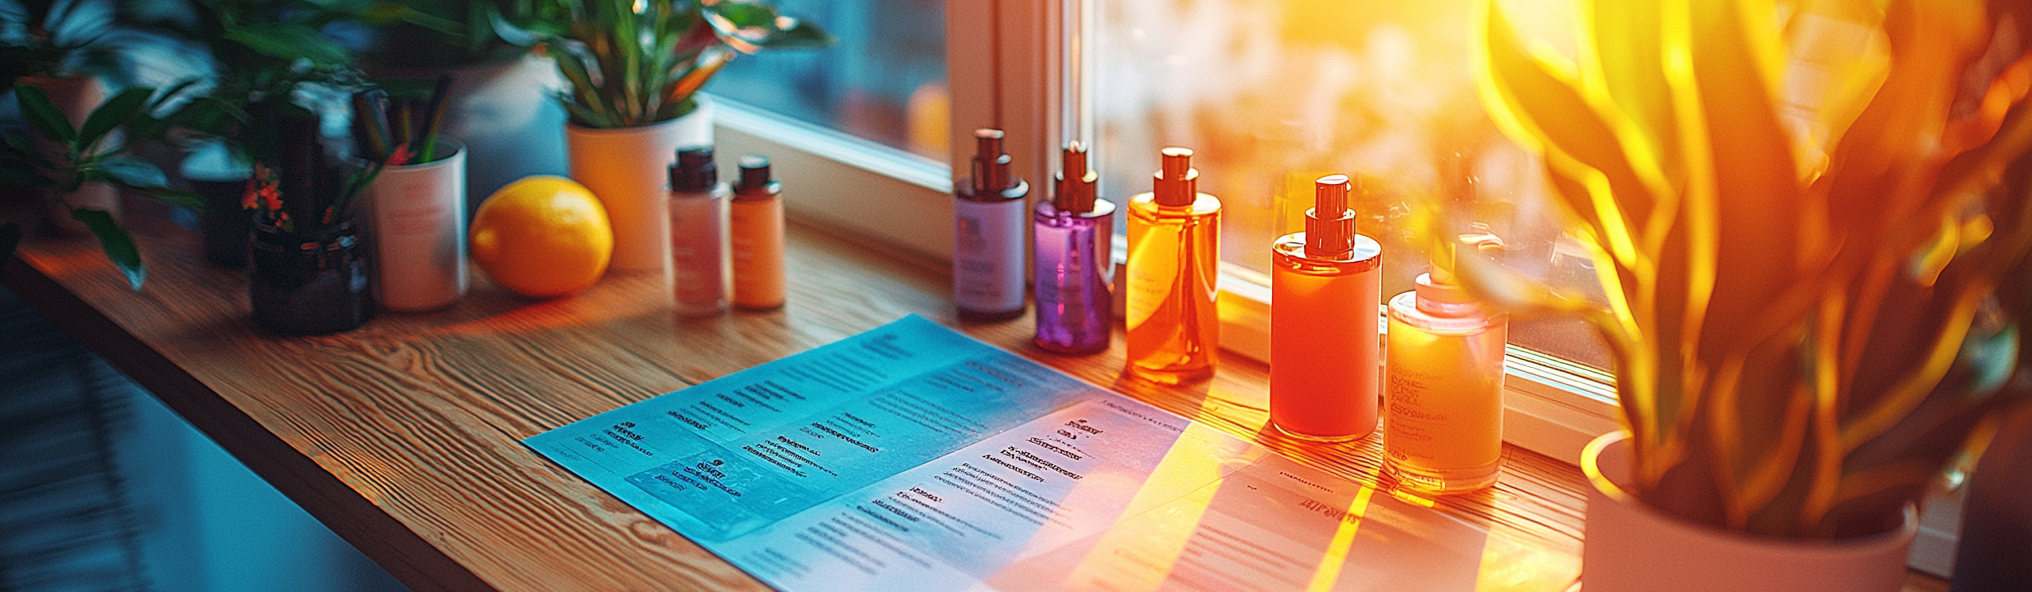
914 457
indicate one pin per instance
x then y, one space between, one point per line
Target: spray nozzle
991 166
1480 243
1330 225
1076 183
1177 182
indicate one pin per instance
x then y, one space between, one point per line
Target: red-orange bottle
1326 289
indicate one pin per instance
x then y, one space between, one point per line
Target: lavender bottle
1075 312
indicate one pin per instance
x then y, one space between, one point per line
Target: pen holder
308 283
418 232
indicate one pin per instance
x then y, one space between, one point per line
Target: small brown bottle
755 220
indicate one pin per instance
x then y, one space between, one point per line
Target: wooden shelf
403 436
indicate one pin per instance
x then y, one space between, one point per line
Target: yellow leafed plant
1811 222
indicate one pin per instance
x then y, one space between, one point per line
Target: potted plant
1811 310
503 113
69 50
309 269
263 51
85 154
633 70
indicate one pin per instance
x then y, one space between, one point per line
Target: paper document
912 457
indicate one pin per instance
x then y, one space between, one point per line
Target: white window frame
1008 74
1005 70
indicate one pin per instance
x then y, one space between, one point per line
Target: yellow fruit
542 237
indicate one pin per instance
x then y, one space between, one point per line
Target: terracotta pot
418 232
1630 546
628 169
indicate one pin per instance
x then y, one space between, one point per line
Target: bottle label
988 254
1443 396
698 251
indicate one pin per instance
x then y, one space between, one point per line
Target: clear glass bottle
698 234
1443 385
1075 310
755 219
1174 264
1326 284
988 215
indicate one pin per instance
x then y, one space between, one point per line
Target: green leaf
800 35
177 197
132 172
750 26
10 237
118 244
115 111
43 114
389 13
290 41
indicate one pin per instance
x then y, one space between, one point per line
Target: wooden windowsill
404 436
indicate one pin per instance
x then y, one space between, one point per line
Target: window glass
885 81
1272 94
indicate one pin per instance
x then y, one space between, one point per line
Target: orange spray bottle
1326 287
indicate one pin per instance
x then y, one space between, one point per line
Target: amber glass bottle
1174 262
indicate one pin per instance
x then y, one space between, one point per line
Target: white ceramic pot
1630 546
628 169
418 232
508 116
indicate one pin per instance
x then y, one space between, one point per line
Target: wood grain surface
403 436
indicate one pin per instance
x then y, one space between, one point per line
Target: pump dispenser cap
991 166
1177 182
1076 183
1330 225
694 171
1439 291
755 177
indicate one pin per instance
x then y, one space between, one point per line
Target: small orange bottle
1174 262
1326 284
1443 382
755 221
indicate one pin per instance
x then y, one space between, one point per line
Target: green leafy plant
1809 320
65 38
81 156
634 63
436 35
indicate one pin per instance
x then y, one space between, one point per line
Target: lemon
542 237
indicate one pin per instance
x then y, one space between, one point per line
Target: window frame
1015 82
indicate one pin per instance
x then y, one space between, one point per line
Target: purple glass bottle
1074 231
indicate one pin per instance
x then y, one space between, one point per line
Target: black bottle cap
755 179
694 171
